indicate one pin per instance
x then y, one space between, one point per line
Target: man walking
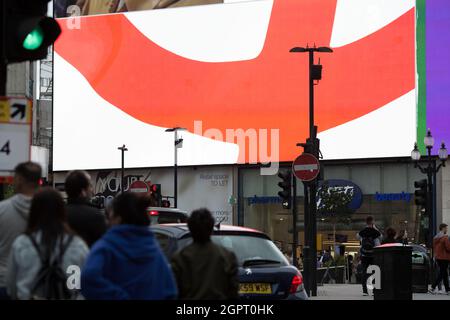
369 237
441 248
14 213
204 270
84 219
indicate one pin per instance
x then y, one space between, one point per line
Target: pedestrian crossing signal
285 185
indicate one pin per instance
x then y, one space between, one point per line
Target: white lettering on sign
14 145
306 167
374 280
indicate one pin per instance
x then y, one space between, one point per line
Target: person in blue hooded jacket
127 262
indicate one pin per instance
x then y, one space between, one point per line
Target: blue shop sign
347 187
404 196
263 200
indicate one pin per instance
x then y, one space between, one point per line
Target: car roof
164 209
180 230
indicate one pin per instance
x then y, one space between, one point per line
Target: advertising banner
224 72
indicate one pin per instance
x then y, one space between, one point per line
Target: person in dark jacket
127 262
85 220
370 238
204 270
389 236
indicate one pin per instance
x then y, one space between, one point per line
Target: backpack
50 282
367 245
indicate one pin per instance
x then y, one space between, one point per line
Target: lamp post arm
417 165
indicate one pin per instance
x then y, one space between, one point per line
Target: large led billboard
224 72
437 65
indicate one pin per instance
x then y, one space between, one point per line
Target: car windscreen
167 217
249 250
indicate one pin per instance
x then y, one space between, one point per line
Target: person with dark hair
389 236
127 262
441 249
369 238
84 219
47 238
14 213
402 237
203 269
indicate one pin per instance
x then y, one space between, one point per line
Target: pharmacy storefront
384 190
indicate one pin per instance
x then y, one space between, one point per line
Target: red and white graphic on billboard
125 78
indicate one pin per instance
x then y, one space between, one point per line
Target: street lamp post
122 149
178 143
430 170
311 146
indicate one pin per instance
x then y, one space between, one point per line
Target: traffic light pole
434 202
3 71
122 149
430 206
294 222
175 176
3 79
311 94
307 248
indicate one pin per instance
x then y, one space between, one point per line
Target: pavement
354 292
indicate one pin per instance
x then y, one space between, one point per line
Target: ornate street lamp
430 170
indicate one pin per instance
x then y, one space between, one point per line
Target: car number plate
261 288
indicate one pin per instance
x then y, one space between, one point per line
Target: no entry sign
139 187
306 167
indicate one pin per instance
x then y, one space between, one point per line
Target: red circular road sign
306 167
139 186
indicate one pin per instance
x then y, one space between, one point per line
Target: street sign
15 110
306 167
139 187
15 132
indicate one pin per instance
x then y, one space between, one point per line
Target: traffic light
285 185
27 31
421 194
156 194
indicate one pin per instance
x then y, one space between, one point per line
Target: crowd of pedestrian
370 237
45 241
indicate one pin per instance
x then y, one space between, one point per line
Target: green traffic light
34 39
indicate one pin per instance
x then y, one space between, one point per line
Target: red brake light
297 280
154 213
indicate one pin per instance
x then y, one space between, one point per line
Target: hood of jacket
133 242
136 267
21 204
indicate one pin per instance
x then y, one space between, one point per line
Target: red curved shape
161 88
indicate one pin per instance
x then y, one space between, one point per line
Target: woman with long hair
47 243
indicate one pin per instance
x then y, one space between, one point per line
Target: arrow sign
18 110
306 167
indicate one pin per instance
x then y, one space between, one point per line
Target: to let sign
15 131
306 167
